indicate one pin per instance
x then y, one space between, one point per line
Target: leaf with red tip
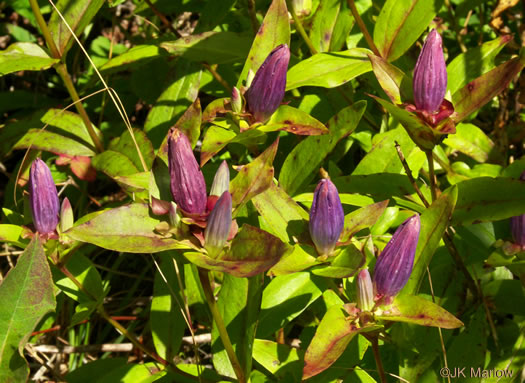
417 310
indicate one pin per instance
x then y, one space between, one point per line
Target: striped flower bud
236 100
394 265
221 181
326 217
430 75
365 291
219 224
43 198
67 218
186 180
517 225
267 89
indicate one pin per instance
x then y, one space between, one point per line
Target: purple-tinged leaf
391 79
333 335
26 295
255 177
483 89
417 310
129 229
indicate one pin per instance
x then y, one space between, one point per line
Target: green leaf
239 304
280 215
128 229
362 218
281 360
13 234
295 121
166 320
396 85
218 136
132 59
84 272
379 186
474 62
506 296
417 310
78 15
294 261
190 122
211 47
65 134
483 89
253 251
125 145
329 70
331 25
285 298
255 177
300 165
274 31
400 23
172 103
24 56
434 222
344 265
114 164
26 295
331 338
470 140
488 199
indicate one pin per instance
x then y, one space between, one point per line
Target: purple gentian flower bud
221 181
326 217
219 224
517 225
394 265
267 89
430 75
365 291
186 180
43 197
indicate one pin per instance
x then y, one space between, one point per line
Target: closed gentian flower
219 224
430 75
267 88
326 217
221 181
365 291
517 225
43 198
394 265
67 218
186 180
236 100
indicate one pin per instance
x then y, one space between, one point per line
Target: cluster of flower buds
326 217
267 89
188 189
43 198
430 81
517 225
394 265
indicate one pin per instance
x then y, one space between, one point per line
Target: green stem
362 27
431 174
214 308
64 75
253 16
300 28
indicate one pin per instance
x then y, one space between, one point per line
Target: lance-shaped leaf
488 199
128 229
24 56
361 219
26 295
483 89
133 58
281 360
301 258
217 137
345 264
434 221
300 165
253 251
295 121
329 70
331 25
78 15
392 79
190 122
472 141
417 310
255 177
14 234
474 62
274 31
330 340
400 23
